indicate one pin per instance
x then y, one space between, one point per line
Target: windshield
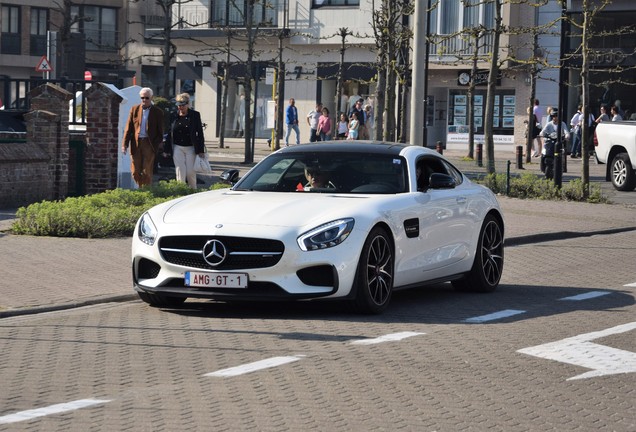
328 172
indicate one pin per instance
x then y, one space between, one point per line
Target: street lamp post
563 72
419 87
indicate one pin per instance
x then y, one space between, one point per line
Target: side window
423 173
429 165
454 173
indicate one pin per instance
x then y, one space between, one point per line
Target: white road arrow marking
579 351
494 316
386 338
255 366
586 296
53 409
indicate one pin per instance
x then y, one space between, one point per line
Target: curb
561 235
64 306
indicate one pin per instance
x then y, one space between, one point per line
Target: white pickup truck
615 145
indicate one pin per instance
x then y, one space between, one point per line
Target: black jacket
194 126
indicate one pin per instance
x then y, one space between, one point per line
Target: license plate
216 280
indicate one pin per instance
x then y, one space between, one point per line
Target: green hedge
529 185
109 214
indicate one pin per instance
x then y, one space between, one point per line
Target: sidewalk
46 273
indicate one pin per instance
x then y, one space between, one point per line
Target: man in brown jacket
144 135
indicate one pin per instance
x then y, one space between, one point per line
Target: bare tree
343 33
390 34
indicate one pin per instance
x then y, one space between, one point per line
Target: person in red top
324 125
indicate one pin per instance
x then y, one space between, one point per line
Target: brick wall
23 171
102 127
44 167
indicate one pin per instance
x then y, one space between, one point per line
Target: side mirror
441 181
230 176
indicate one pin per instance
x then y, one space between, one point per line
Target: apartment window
232 13
10 30
99 25
39 26
450 17
320 3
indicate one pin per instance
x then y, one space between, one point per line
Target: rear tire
157 300
489 259
374 278
623 177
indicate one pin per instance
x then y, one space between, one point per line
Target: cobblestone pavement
45 273
126 366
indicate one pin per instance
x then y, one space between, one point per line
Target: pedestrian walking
324 125
186 136
312 120
291 119
144 136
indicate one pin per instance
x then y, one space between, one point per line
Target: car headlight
325 236
147 231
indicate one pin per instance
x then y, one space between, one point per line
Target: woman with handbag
186 132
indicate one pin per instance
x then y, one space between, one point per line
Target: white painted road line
631 285
494 316
253 367
53 409
386 338
586 296
579 351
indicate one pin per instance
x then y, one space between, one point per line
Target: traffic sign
44 65
88 76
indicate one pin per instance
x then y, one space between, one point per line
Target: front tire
623 177
156 300
374 278
489 259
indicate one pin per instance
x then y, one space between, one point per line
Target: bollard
519 156
508 179
439 147
480 155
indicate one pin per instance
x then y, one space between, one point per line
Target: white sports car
333 220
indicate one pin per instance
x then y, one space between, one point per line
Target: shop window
458 116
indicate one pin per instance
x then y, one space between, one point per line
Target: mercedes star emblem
214 252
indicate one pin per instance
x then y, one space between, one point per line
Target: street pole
563 73
427 50
417 134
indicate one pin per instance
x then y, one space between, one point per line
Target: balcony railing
38 45
227 14
10 43
447 48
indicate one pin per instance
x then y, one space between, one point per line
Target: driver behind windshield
317 178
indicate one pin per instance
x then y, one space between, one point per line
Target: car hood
260 208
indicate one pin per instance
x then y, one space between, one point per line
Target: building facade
312 48
113 41
122 42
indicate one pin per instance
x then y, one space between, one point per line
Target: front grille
242 252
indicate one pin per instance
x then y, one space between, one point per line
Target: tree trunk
225 89
585 73
492 87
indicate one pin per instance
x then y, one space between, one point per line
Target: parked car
12 121
333 220
615 145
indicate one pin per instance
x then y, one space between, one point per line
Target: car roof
348 147
361 146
